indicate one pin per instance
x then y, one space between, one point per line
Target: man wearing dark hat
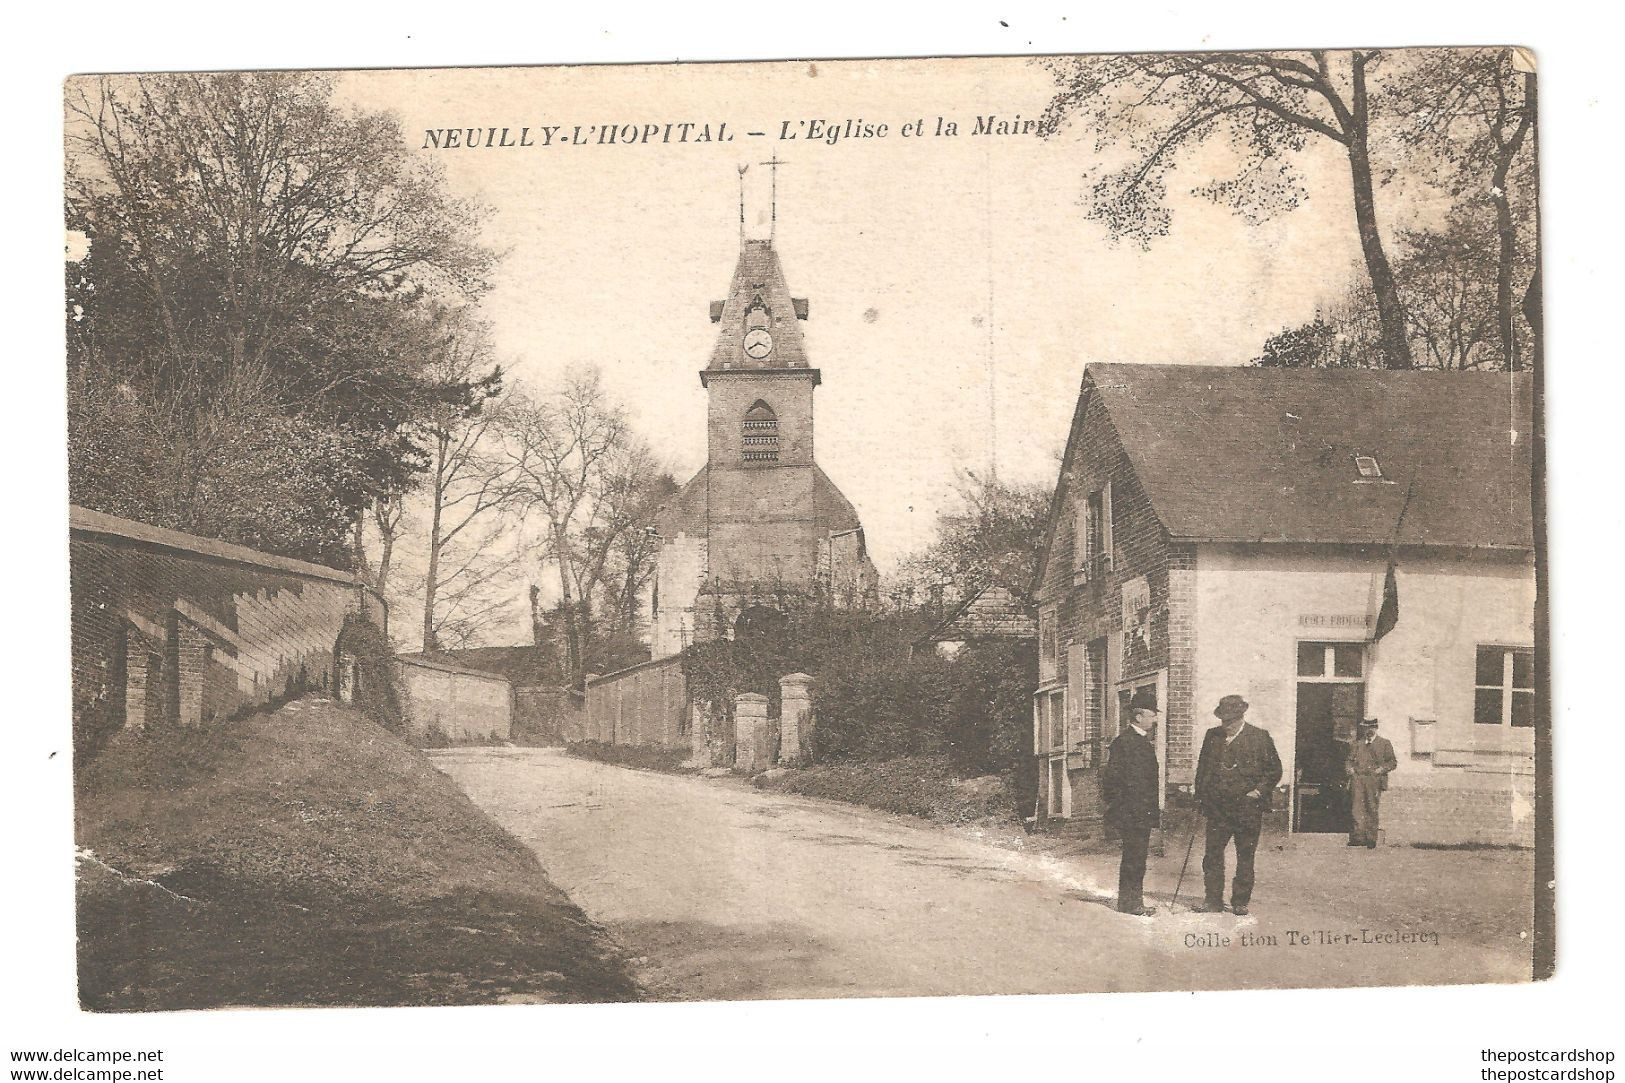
1236 776
1368 765
1132 808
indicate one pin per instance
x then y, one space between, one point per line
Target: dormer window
1368 468
761 434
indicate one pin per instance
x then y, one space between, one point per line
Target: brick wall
1090 610
458 705
1454 817
171 629
646 704
548 716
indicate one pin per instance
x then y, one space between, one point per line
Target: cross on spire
773 164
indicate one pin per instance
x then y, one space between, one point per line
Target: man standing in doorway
1132 807
1236 776
1368 765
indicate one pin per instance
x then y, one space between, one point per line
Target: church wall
790 396
678 575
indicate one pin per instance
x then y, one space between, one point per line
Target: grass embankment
310 857
924 786
642 757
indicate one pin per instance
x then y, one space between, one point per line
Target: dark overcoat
1129 783
1227 773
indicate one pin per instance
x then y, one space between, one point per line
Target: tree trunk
572 628
1507 236
431 580
1532 296
1390 312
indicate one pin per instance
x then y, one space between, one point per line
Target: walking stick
1189 843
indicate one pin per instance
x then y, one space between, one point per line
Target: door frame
1329 677
1157 679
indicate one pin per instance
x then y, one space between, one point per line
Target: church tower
761 524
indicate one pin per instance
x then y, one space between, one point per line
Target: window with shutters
1092 541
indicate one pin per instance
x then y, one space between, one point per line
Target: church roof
759 281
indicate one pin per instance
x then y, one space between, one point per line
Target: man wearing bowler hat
1368 765
1236 776
1130 786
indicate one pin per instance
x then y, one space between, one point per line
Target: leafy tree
245 319
1266 106
1309 346
1447 280
992 536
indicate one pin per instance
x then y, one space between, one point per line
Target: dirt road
721 891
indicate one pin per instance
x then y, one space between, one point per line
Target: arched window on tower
761 434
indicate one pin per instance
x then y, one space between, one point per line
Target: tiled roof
1227 453
758 274
993 612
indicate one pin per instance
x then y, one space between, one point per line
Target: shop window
1504 687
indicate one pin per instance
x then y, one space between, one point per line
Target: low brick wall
1456 817
173 629
450 704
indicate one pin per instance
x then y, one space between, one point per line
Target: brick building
760 522
1223 530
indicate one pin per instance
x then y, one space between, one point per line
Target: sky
957 290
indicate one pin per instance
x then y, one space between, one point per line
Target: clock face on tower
758 343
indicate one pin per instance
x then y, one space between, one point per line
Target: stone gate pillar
699 733
750 733
795 719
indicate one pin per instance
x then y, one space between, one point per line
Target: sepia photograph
796 530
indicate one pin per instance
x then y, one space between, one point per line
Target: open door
1331 702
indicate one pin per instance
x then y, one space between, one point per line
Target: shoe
1239 911
1209 908
1354 842
1142 912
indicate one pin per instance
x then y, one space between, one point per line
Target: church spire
759 320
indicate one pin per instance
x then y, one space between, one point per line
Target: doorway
1331 702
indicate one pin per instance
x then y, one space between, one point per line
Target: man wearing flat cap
1130 786
1236 776
1368 765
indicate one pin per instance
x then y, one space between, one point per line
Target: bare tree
1265 105
467 480
557 449
1476 109
620 543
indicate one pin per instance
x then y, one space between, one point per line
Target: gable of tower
758 298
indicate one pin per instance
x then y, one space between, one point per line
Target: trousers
1365 799
1131 871
1221 830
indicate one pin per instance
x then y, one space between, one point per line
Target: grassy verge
310 857
643 757
924 786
